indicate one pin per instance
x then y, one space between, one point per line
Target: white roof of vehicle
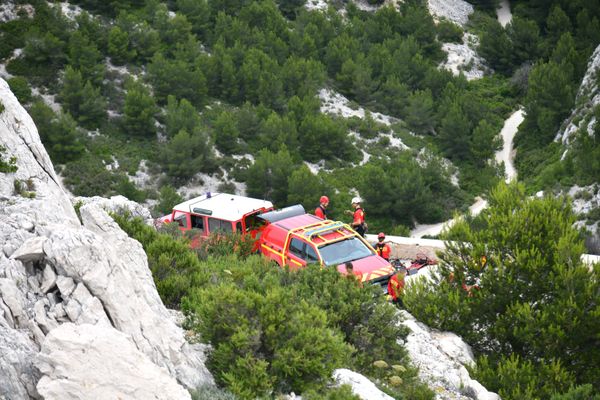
229 207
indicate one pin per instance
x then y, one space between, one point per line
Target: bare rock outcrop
71 351
57 274
441 358
588 98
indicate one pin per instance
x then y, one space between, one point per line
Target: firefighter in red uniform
383 249
396 286
358 217
320 211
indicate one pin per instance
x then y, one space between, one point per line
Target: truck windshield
345 250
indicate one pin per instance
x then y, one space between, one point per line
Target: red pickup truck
294 238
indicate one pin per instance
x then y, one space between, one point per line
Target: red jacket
359 217
384 250
320 212
396 285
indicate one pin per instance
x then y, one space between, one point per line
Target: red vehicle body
219 212
293 238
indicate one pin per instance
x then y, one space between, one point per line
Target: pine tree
92 111
85 57
118 46
71 94
139 110
186 155
549 98
180 116
268 177
226 133
304 188
454 134
419 112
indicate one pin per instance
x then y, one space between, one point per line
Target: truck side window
296 248
311 254
215 225
198 222
181 219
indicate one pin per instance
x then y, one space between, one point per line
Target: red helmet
381 235
324 199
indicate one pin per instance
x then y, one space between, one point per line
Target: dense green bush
20 88
289 327
449 32
533 309
9 165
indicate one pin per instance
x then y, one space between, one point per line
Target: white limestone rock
463 57
103 276
457 11
31 250
48 279
14 300
83 308
99 362
45 322
116 204
441 358
114 268
361 386
18 376
20 139
588 97
65 285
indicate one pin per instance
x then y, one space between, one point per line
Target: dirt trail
505 155
503 12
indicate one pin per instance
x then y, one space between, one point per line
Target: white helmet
356 200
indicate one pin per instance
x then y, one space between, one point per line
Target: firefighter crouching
396 286
382 248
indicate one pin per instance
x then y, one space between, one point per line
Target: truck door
301 253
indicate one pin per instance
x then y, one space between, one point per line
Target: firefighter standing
383 249
358 217
396 286
320 211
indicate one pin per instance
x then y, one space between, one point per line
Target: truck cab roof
229 207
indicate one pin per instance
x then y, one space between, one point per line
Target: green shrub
20 88
263 338
449 32
529 312
583 392
211 393
167 199
11 164
343 392
24 188
514 378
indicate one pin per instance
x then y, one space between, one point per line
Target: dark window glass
215 225
296 248
198 222
311 254
181 219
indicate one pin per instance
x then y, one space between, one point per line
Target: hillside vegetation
530 308
194 86
276 331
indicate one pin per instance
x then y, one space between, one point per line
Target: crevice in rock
48 173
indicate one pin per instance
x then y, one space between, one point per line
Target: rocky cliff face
588 98
78 306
